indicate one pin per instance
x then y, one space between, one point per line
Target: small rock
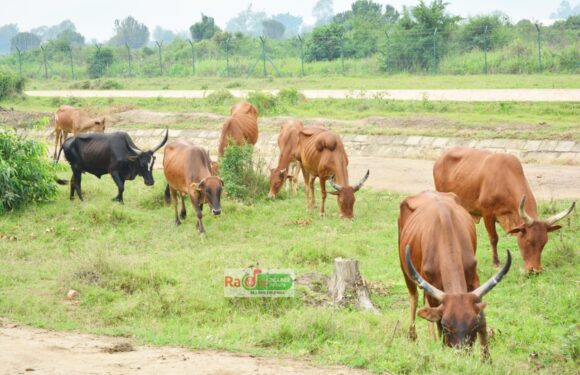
72 295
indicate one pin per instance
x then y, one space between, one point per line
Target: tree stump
346 286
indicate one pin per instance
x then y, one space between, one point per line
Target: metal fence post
301 54
227 57
342 52
539 48
129 57
19 60
485 49
387 65
159 45
45 62
435 51
70 55
192 57
263 41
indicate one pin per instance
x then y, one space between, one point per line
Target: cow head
99 125
143 161
460 315
211 190
277 178
533 235
244 108
345 196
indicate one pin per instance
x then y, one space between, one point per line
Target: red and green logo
255 282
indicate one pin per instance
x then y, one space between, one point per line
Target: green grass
472 120
362 82
141 276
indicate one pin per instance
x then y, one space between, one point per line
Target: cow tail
167 195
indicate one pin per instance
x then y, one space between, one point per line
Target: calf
187 169
72 120
288 144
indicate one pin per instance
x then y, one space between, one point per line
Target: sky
94 18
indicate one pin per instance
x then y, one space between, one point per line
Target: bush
243 180
99 62
290 95
26 175
10 83
266 103
220 97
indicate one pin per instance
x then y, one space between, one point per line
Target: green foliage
10 83
205 29
71 37
24 41
130 31
473 33
290 95
324 43
99 62
26 175
265 102
6 33
242 179
220 97
273 29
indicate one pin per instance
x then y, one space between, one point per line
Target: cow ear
552 228
133 157
432 314
195 186
480 306
332 192
516 230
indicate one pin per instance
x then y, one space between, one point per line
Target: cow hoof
177 222
496 264
183 216
323 214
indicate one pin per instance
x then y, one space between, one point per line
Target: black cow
110 153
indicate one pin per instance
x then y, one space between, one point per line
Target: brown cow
68 119
437 244
187 171
240 127
288 144
322 155
493 186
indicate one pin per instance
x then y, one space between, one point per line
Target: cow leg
56 141
120 186
483 339
430 325
306 176
323 194
197 206
312 196
294 179
413 300
174 198
76 185
183 214
489 221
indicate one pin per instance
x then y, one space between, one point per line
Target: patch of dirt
25 349
20 119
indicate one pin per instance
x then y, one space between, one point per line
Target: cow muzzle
216 212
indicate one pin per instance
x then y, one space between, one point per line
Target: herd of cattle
437 236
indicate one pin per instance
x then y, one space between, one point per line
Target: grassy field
139 275
380 116
364 82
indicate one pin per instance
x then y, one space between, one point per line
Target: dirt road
25 350
527 95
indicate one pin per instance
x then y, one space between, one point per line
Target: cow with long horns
437 244
493 186
322 155
110 153
187 170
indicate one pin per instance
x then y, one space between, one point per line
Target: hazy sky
94 18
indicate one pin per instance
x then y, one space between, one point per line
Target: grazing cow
240 127
111 153
322 155
437 244
288 144
187 169
71 120
493 186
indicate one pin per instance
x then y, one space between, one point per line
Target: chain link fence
482 50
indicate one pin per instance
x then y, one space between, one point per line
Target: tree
323 11
24 41
52 32
130 31
7 32
391 14
71 38
273 29
99 62
324 42
247 22
205 29
291 23
565 11
472 34
165 35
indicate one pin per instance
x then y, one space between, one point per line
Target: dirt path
25 350
532 95
412 176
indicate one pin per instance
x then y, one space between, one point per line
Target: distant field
139 275
398 81
477 120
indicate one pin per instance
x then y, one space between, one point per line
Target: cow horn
559 216
362 181
523 214
337 187
163 141
428 288
135 150
491 283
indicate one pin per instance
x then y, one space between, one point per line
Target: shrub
242 179
99 62
266 103
26 175
220 97
290 95
10 83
